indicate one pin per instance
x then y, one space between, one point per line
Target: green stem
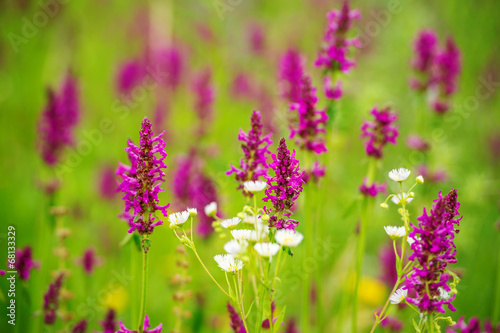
142 312
239 299
381 314
208 272
306 289
496 309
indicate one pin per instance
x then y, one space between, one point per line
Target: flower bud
265 217
420 179
384 205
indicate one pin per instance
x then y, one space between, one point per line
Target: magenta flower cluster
204 97
25 263
80 327
109 322
334 52
51 300
437 68
255 149
291 72
61 115
283 188
146 328
236 321
373 189
473 326
379 132
433 249
141 181
311 122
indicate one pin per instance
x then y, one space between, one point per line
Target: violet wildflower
171 61
51 300
379 132
255 148
425 48
372 190
331 91
336 46
89 261
291 72
315 174
109 322
284 187
129 76
436 176
291 327
205 192
107 183
433 249
392 324
204 97
446 74
417 143
311 122
473 326
236 322
256 38
141 181
242 87
146 326
80 327
68 100
25 263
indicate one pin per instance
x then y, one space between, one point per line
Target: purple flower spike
334 52
236 322
256 39
171 61
109 323
379 132
80 327
157 329
331 91
69 100
51 300
204 97
285 187
255 148
291 72
24 263
446 75
372 190
473 326
141 181
433 249
90 261
311 122
423 60
129 76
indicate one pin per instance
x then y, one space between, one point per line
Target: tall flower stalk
141 185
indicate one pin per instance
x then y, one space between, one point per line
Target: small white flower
230 223
227 263
192 211
398 296
254 186
443 293
395 232
267 249
235 247
399 175
178 218
211 209
288 238
241 234
397 198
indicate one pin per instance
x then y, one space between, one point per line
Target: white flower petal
395 232
254 186
211 208
288 238
230 223
178 218
241 234
267 249
227 263
399 175
398 296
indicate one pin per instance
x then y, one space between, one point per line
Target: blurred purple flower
204 97
80 327
433 249
416 142
108 183
51 300
333 54
285 187
387 258
331 91
291 72
89 260
372 190
109 323
130 75
242 87
146 326
256 39
379 132
236 322
392 324
437 176
473 326
68 100
170 60
317 172
25 263
446 74
291 326
141 181
311 122
255 148
425 48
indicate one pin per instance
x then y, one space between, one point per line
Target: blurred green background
93 37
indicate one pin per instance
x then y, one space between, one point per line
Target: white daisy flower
235 247
254 186
267 249
178 218
288 238
192 211
399 175
395 232
227 263
398 296
230 223
241 234
397 198
211 209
